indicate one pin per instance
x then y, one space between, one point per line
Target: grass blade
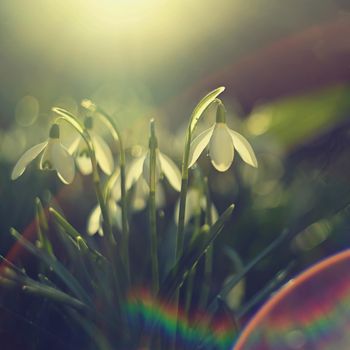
235 279
191 257
67 278
53 294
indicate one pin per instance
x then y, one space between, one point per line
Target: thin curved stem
108 120
152 209
208 262
77 125
195 116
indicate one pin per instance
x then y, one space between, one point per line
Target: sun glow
98 35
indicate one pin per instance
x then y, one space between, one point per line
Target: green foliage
121 299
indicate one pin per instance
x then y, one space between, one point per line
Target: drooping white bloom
103 153
139 195
54 157
164 166
195 204
94 223
222 142
137 173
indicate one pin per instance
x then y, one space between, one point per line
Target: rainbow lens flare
199 329
312 312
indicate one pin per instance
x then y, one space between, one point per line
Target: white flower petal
221 148
63 162
170 171
83 159
134 171
116 192
141 194
146 169
100 231
26 158
115 213
103 154
244 148
214 214
192 206
94 221
213 211
75 143
198 145
84 164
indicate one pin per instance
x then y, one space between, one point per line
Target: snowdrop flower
54 157
103 153
140 194
95 220
195 204
94 223
222 142
164 166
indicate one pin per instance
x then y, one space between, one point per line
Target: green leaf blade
191 257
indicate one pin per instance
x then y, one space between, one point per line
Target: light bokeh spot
27 111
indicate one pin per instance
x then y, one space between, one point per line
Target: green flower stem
152 207
42 227
189 291
208 262
195 116
73 121
182 208
196 231
104 211
79 127
106 118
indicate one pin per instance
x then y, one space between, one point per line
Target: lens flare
197 329
310 312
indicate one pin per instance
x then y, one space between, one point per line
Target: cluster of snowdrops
220 140
89 152
92 156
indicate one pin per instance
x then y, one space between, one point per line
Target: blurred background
286 68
